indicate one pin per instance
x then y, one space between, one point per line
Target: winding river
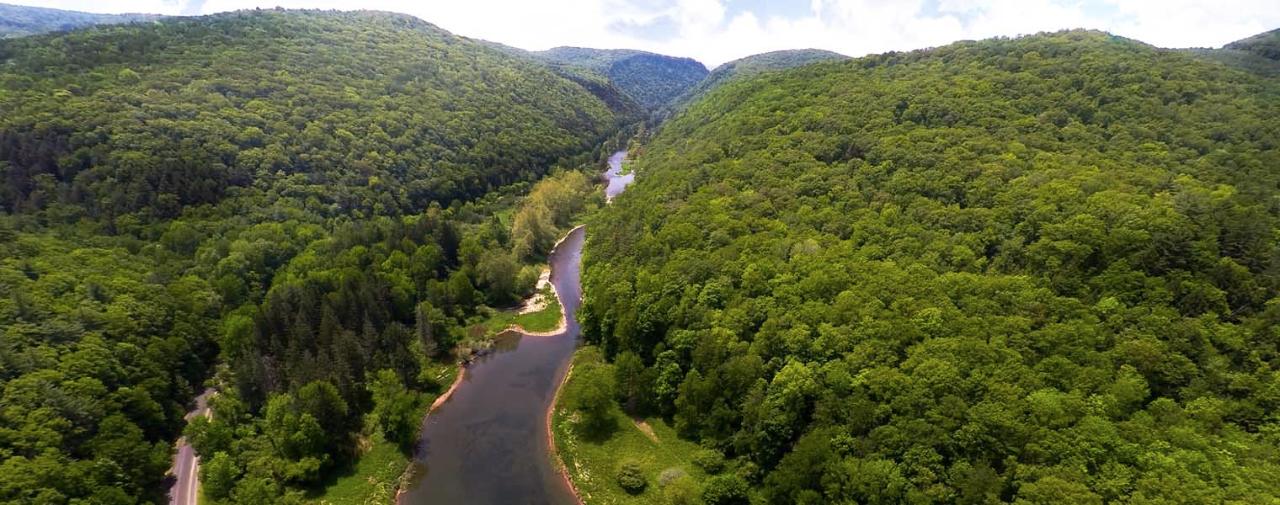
616 180
489 442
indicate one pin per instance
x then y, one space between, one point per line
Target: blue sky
715 31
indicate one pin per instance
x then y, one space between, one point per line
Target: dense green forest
389 113
1259 54
311 199
1033 270
652 80
747 67
1266 45
21 20
347 334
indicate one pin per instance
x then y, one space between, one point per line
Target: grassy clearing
593 463
374 478
543 320
482 329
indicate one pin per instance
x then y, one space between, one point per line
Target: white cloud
1188 23
713 32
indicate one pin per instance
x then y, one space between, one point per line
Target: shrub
670 475
725 490
631 477
681 491
594 398
709 460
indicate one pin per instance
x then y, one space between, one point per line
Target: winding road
186 464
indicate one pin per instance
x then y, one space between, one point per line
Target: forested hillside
311 199
1266 45
393 110
1038 270
750 66
652 80
21 20
1259 54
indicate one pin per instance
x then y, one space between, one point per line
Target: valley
350 257
488 443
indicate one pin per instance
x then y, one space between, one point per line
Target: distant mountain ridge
1266 45
651 79
775 60
1259 54
630 82
21 20
753 65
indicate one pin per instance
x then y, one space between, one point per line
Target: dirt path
462 374
646 429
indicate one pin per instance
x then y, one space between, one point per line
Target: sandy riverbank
564 323
551 437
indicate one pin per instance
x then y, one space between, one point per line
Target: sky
716 31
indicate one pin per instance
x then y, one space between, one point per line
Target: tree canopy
747 67
21 20
1265 44
312 199
652 80
386 112
1027 270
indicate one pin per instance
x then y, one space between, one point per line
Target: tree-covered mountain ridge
307 203
746 67
1265 44
21 20
1031 270
184 110
652 80
1259 53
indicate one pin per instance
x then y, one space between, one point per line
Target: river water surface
488 443
617 181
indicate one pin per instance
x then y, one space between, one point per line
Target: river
488 443
617 181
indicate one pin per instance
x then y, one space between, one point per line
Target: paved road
186 465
